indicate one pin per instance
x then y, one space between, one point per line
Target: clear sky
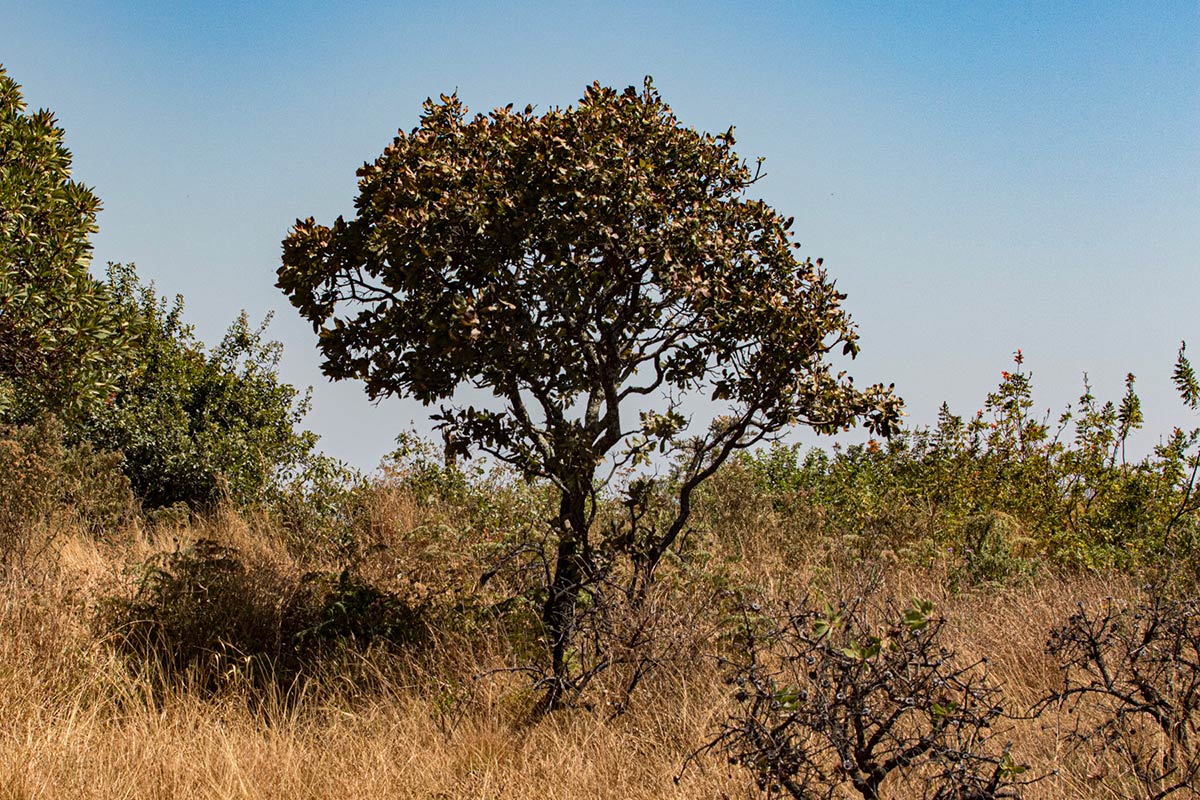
979 177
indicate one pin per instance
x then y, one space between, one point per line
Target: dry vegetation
194 602
446 719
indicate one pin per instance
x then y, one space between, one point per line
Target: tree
59 336
197 425
580 265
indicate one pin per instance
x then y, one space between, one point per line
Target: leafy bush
1065 491
991 542
320 508
348 609
197 425
202 612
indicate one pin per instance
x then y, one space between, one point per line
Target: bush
1062 490
320 509
990 549
846 697
198 425
1131 686
201 613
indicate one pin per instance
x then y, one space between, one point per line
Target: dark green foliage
348 609
198 425
60 339
111 359
205 612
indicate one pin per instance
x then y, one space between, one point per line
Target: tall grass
450 718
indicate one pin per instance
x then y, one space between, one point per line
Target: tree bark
559 612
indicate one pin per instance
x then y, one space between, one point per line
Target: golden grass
74 723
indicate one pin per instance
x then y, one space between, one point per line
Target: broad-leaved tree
60 338
590 268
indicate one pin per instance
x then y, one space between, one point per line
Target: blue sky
979 177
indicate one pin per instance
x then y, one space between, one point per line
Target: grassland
449 718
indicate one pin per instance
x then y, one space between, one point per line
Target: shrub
201 613
990 549
846 697
1064 490
197 425
1131 685
320 509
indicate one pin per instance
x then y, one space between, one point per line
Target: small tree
195 424
59 337
1131 685
580 265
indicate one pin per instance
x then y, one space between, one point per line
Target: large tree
589 267
60 337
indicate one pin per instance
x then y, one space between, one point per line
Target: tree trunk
558 619
558 615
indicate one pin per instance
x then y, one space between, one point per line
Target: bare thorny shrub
1131 688
847 697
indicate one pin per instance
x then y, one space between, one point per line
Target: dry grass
77 724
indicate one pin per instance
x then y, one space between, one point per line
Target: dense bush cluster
197 425
59 336
208 613
1005 490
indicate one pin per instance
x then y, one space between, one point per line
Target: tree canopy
59 336
597 253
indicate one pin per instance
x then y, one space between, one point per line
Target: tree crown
570 262
59 338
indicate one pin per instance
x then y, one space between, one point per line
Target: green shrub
320 509
989 545
1064 491
347 609
198 425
